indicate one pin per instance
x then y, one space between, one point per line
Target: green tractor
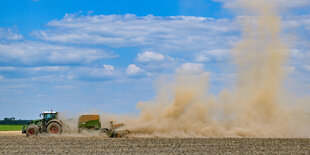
49 124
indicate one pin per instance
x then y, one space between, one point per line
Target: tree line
12 120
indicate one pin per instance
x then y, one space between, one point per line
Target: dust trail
255 108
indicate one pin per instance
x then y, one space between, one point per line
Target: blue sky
106 56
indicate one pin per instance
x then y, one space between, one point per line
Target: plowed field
15 143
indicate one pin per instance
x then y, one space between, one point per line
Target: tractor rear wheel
32 130
54 128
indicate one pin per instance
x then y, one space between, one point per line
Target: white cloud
202 58
278 3
169 33
197 39
1 77
17 86
66 87
108 68
307 67
9 34
210 37
300 54
156 62
149 56
41 53
7 68
41 95
290 69
37 69
224 77
48 68
191 68
60 73
290 3
217 55
132 69
106 72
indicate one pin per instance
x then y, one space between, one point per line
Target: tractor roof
49 112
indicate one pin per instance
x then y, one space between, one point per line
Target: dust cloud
256 107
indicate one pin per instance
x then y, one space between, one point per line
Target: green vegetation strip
11 127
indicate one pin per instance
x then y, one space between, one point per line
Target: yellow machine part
85 118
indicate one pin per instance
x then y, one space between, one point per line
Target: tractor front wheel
32 130
54 128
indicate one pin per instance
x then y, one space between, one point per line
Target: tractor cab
48 115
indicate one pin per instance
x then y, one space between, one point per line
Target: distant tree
12 120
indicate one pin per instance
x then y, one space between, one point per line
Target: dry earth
16 143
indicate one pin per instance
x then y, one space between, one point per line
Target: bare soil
16 143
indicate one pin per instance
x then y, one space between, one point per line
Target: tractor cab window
49 116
